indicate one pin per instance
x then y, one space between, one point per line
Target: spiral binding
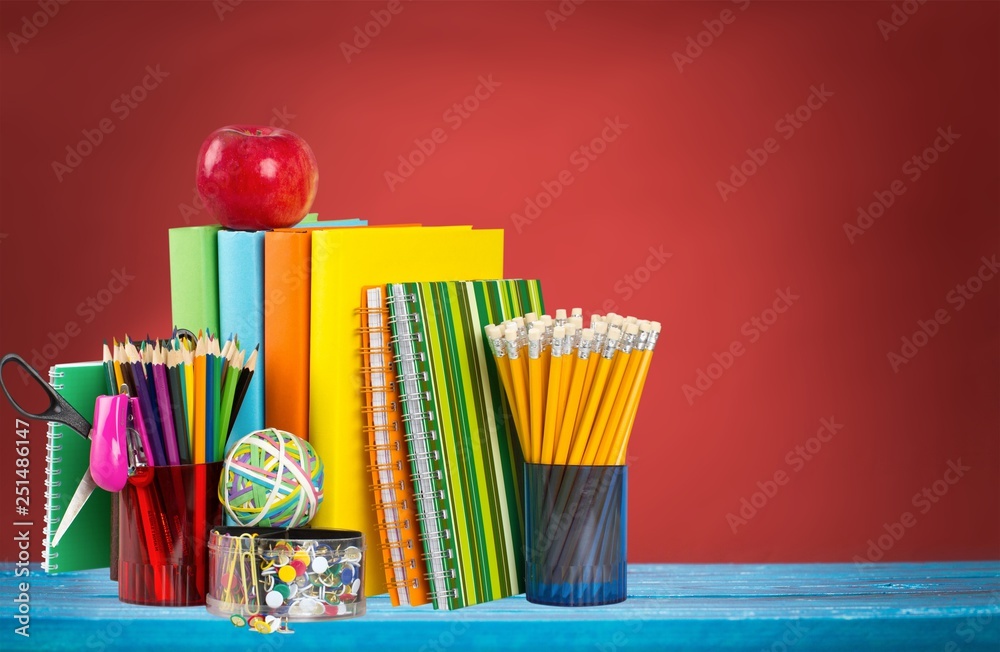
420 435
429 455
382 526
391 446
433 494
52 446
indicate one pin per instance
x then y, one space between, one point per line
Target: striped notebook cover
402 551
464 454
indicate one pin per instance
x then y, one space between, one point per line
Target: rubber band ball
271 478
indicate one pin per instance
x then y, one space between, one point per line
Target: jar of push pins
299 574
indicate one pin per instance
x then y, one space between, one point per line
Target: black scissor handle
58 410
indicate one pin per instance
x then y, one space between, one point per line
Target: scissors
117 449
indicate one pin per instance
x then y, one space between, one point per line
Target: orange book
286 330
395 507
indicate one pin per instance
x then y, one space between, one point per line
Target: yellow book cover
344 261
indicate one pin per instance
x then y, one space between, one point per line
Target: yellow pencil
568 365
575 391
594 397
535 410
518 376
617 423
117 360
552 397
600 335
600 439
495 336
624 432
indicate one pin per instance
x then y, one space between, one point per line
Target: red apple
254 178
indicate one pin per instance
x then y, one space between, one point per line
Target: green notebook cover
87 542
194 277
476 459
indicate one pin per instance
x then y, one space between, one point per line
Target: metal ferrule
584 351
534 349
642 340
557 348
498 348
512 351
609 349
626 343
598 343
651 344
568 345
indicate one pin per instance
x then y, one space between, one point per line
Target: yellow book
344 261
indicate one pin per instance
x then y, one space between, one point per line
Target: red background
655 186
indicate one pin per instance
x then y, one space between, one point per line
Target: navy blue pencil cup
575 534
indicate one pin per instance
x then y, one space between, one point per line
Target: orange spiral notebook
402 550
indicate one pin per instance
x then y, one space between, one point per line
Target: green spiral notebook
463 450
87 543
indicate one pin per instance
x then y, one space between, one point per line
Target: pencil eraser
534 335
587 334
632 329
656 326
510 335
559 332
614 333
561 313
601 328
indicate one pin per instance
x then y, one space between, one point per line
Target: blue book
241 314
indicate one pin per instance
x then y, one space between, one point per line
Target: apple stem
259 132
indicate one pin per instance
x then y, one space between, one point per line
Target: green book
87 542
464 452
194 277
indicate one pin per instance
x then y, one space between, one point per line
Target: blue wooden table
944 607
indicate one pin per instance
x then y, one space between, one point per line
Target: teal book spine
241 314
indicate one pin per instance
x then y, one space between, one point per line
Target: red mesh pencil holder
164 517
